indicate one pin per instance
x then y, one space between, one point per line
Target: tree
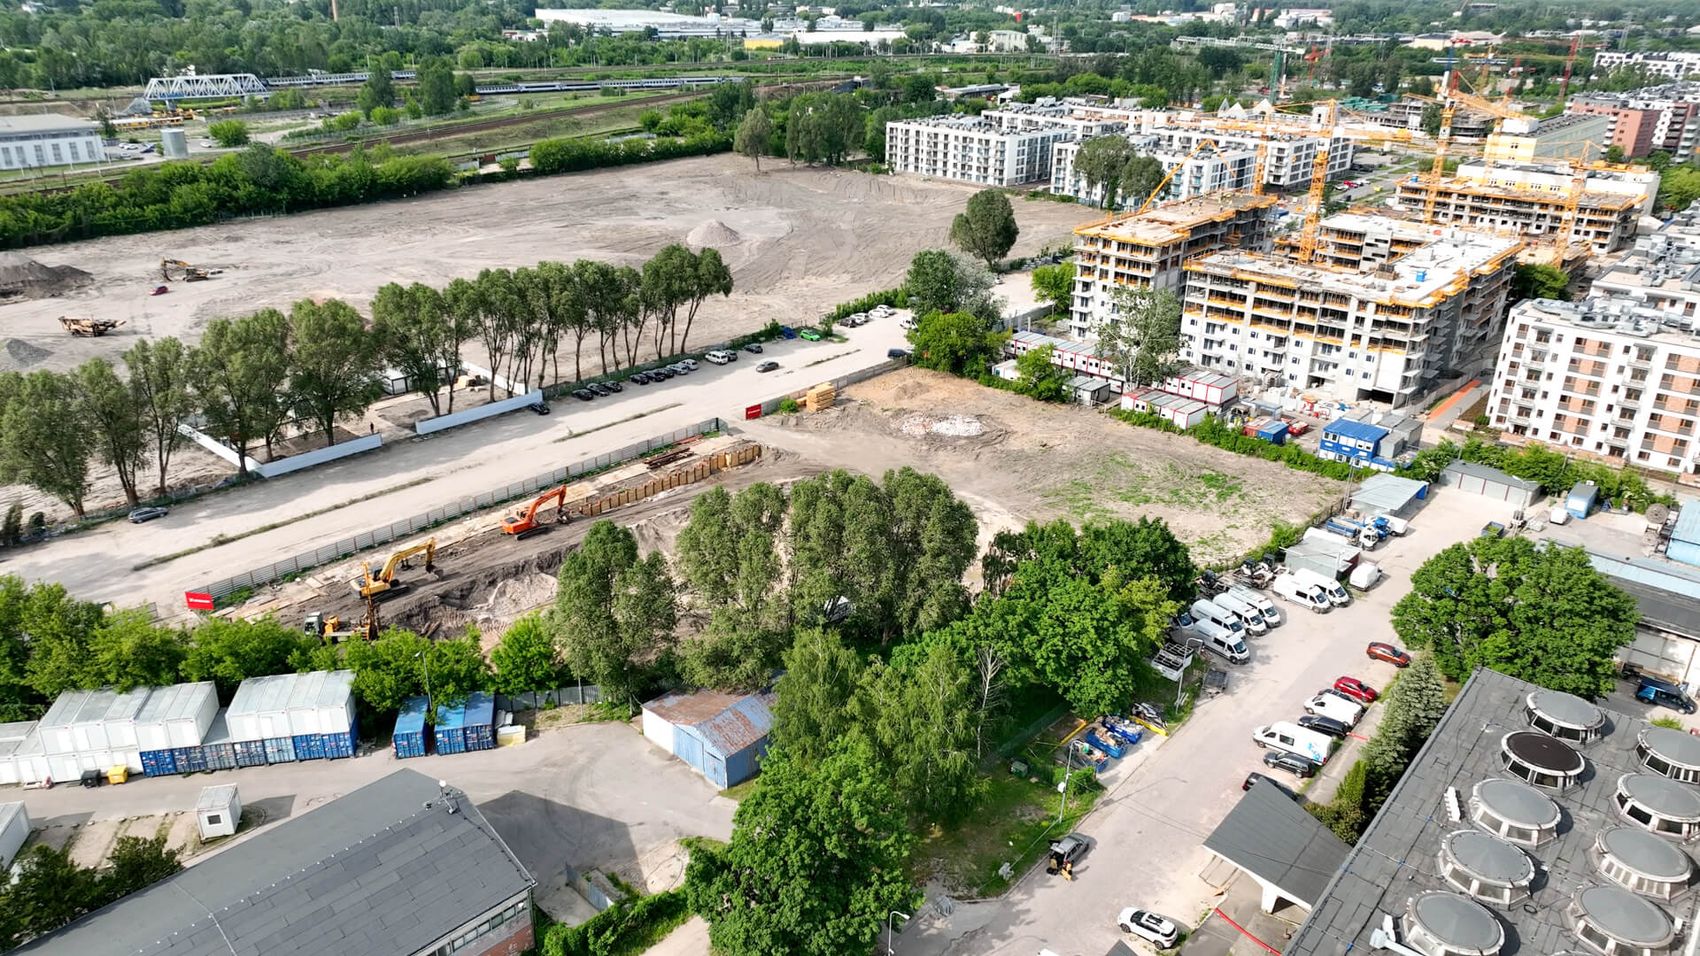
160 384
453 668
646 606
1146 548
417 334
812 705
1101 162
48 891
955 342
1055 284
229 651
818 857
598 642
934 538
1542 615
1615 154
1141 177
135 863
1679 186
333 363
110 408
709 277
46 438
1143 334
228 133
822 128
128 650
239 371
389 670
753 135
525 660
669 281
377 92
986 229
436 83
1433 116
1534 280
932 282
728 103
1041 378
920 713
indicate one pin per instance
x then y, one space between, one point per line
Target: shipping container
480 723
250 753
14 830
176 716
159 763
448 735
410 731
219 750
309 747
191 760
341 745
280 750
1275 433
292 705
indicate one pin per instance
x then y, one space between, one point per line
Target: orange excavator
525 524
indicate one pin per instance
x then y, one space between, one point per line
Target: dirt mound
22 355
25 278
713 233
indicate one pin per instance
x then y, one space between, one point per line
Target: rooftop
727 723
383 871
1174 222
1489 473
1270 836
1662 589
44 123
1616 314
1452 855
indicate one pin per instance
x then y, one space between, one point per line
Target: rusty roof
727 723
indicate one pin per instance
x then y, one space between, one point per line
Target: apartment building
1672 65
1227 161
1379 318
1194 175
1148 250
1570 136
1664 117
1531 203
971 149
1661 273
1081 118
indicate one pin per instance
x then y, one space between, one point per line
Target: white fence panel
431 426
319 456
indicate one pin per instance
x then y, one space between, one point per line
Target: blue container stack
480 723
310 747
219 756
410 728
191 760
159 763
450 732
340 745
279 749
250 753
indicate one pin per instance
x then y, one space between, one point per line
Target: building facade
1671 65
1571 136
46 139
1603 221
1207 172
1664 117
971 150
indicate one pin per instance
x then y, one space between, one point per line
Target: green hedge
897 298
626 928
1214 432
553 156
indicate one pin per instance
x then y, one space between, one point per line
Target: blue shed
722 736
1347 439
1275 432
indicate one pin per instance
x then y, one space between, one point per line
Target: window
214 819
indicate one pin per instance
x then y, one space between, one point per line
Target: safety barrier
283 466
467 416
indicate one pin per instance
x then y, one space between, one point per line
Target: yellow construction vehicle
185 271
384 583
328 627
525 524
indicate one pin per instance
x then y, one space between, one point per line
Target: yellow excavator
328 627
384 583
185 271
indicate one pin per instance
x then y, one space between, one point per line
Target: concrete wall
430 426
283 466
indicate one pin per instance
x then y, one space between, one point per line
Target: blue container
480 724
340 745
159 763
191 760
410 728
280 749
219 756
250 753
309 747
449 734
1274 433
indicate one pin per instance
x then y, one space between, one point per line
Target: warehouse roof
1661 591
1271 837
385 871
1488 473
1383 493
727 723
44 123
1687 524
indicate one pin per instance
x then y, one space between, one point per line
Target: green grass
739 791
1122 480
1014 823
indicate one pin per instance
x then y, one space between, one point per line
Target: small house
218 811
1350 440
1007 371
721 736
1088 390
14 830
1491 483
1583 499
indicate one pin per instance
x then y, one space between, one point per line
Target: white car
1159 931
208 144
907 323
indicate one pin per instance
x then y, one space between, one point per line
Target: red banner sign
198 600
752 412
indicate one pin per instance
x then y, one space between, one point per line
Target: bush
574 155
627 927
229 133
788 406
896 298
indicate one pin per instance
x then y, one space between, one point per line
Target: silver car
1159 931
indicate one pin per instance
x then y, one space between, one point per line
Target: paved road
1149 829
411 477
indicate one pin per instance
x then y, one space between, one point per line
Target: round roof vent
1659 804
1487 868
1514 812
1541 760
1639 861
1670 752
1610 919
1565 716
1438 923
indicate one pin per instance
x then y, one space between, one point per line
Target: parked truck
1356 532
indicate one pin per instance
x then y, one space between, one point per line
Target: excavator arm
370 585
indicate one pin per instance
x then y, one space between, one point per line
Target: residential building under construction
1529 204
1379 315
1149 249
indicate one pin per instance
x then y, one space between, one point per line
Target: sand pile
951 426
713 233
21 354
25 278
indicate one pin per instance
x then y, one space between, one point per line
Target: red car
1356 689
1387 652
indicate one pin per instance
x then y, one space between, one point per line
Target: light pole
1062 788
889 951
425 662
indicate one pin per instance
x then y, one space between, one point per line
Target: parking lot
1148 830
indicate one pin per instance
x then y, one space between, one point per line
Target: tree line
251 378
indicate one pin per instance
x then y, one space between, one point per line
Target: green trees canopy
987 228
960 343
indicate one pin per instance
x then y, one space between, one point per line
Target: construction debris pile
25 278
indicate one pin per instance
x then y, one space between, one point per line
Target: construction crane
370 585
525 524
1319 170
1569 65
1169 176
187 272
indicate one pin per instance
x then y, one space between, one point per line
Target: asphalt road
411 477
1148 830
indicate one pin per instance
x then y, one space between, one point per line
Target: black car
540 408
1292 763
1323 725
660 374
896 353
147 514
641 378
613 386
754 348
584 394
1066 851
599 389
1251 780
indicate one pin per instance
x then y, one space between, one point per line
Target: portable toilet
218 811
1582 499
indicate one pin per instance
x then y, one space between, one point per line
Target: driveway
1149 829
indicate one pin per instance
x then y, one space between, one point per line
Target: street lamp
888 949
426 663
1062 788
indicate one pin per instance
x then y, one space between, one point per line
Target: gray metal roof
44 123
1271 837
376 872
1390 493
217 797
1662 593
1486 473
1397 860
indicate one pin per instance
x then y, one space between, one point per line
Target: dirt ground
1013 460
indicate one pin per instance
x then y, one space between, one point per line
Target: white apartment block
1380 328
971 150
1082 119
1231 164
1208 172
1671 65
47 139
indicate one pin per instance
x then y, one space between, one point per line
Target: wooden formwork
678 474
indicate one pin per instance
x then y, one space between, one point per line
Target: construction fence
544 699
839 384
298 563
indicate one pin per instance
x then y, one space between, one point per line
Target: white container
189 720
218 811
14 830
64 768
55 726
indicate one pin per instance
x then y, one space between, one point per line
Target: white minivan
1331 588
720 356
1332 705
1305 595
1220 616
1271 615
1248 615
1220 641
1288 736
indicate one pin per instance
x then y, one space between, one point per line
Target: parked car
896 353
1252 779
660 374
613 386
584 394
1651 690
600 389
754 348
539 408
767 366
1292 763
719 356
147 514
1337 706
1159 931
1069 850
1356 689
689 364
1324 725
207 144
1378 651
640 378
680 368
809 335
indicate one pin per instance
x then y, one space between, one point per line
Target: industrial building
1667 627
1604 219
1148 250
1382 328
1568 136
1490 483
665 24
1664 117
1531 821
399 867
721 736
971 149
47 139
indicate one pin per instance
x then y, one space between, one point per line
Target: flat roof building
1532 204
1569 136
971 149
48 139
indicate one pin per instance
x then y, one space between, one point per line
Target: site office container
23 761
409 737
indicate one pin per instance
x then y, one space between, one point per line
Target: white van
1304 595
1288 736
1332 705
1219 640
1266 607
1331 589
1248 615
720 356
1206 611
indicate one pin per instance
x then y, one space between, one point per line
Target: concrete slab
690 939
